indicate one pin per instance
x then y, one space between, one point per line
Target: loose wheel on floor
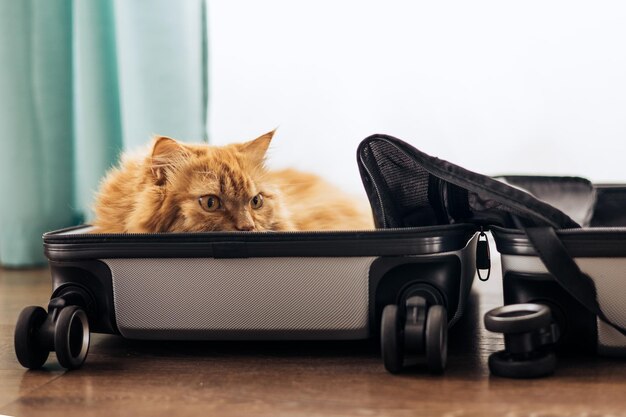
529 334
436 338
71 337
391 340
28 349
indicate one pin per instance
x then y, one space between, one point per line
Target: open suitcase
562 240
410 283
408 278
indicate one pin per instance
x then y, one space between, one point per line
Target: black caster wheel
413 332
436 339
506 365
391 339
28 348
71 337
529 333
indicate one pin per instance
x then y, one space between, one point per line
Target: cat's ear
165 153
256 149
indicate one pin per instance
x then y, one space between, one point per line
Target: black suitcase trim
67 244
580 243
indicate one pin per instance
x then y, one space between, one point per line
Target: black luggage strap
564 269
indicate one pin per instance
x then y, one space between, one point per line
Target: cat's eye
210 202
257 201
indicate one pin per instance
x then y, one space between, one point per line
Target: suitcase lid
407 187
575 196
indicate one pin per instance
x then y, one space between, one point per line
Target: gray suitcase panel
269 298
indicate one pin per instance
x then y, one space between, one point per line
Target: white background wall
495 86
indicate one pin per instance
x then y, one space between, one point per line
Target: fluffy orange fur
197 188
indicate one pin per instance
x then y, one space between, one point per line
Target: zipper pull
483 256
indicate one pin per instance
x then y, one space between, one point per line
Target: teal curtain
80 82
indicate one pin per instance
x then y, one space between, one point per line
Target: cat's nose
245 227
243 221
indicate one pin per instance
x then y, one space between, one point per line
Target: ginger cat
200 188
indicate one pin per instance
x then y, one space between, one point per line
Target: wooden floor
126 378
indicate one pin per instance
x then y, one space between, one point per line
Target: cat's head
199 188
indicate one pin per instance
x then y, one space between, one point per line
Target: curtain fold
36 120
97 119
81 81
145 30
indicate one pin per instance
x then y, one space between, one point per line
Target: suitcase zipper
483 256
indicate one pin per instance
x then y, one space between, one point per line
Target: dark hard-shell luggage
404 283
562 240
